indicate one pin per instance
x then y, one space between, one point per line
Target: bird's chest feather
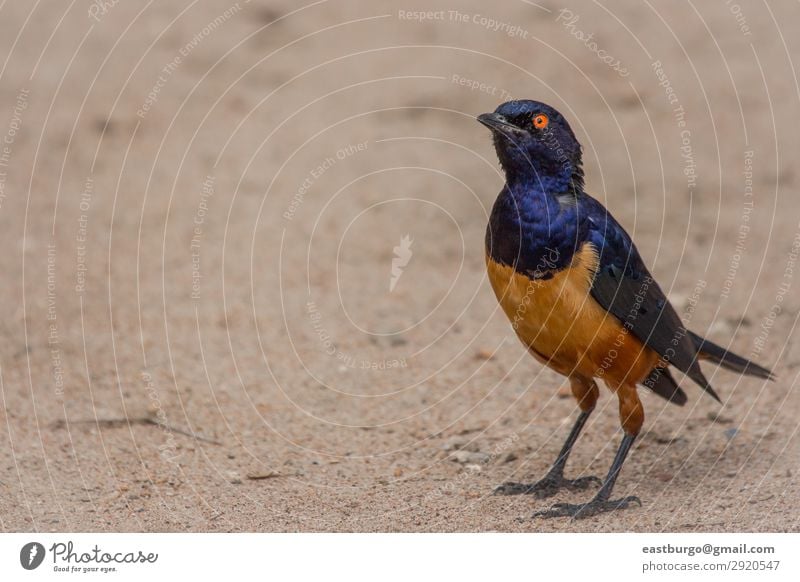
543 310
559 320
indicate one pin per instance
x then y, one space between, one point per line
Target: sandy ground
200 206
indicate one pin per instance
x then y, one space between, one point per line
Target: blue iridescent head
536 146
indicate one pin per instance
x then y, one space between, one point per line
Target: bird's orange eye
540 121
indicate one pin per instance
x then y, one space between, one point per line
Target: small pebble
731 432
264 475
670 440
453 444
713 417
469 457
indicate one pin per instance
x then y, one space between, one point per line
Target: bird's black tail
710 351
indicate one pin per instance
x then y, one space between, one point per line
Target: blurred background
243 260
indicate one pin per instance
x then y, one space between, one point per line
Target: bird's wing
625 288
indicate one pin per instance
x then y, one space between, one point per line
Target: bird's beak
497 123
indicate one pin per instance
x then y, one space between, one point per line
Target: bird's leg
554 480
601 502
632 418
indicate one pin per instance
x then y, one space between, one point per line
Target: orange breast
565 327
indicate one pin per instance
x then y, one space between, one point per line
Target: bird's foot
547 487
582 510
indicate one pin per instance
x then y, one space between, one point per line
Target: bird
580 297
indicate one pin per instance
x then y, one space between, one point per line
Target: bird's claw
582 510
547 487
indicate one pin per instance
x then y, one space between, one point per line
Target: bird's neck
525 170
562 179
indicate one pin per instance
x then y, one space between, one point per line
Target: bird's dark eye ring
540 121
